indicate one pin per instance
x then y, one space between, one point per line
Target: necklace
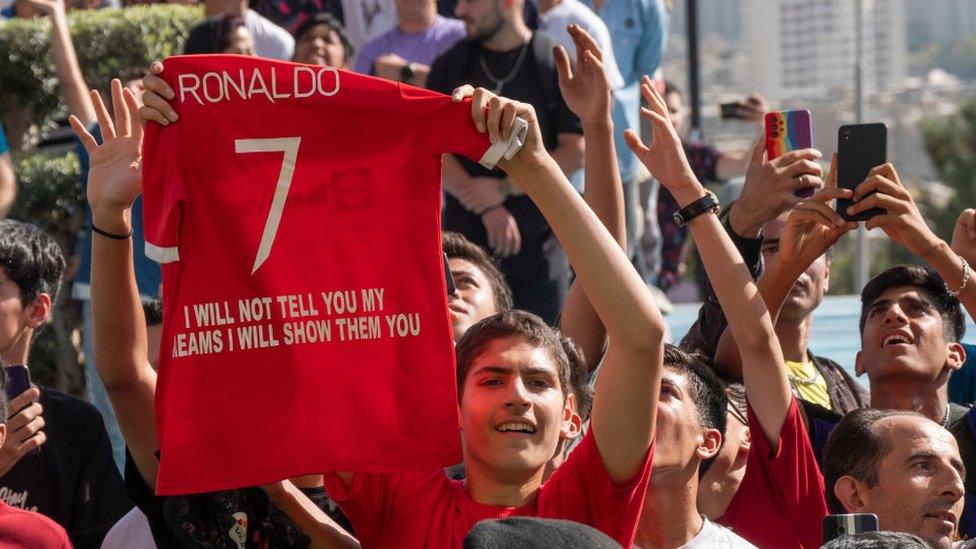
945 418
809 380
500 82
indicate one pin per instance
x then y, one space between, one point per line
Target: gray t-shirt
270 40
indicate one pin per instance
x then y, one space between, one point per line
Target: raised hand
813 226
665 158
771 185
496 115
585 90
964 236
116 164
902 221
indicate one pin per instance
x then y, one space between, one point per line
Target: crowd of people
581 426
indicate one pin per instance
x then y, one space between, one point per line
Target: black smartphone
18 381
835 526
730 110
449 277
860 147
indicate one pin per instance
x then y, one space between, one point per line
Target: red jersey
780 502
420 510
297 212
20 529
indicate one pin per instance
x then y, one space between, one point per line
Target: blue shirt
962 382
639 34
148 274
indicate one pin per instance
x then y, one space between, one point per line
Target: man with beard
502 54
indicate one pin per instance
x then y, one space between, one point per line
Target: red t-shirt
780 502
20 529
420 510
296 209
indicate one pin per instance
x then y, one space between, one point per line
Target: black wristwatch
707 203
407 73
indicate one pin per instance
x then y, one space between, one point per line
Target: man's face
482 18
513 412
473 300
681 439
676 109
920 481
321 46
810 287
719 484
903 337
13 315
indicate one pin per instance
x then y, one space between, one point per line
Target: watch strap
707 203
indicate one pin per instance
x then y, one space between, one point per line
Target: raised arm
811 229
903 223
747 316
625 403
73 86
587 92
121 353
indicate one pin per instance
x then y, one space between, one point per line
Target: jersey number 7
289 146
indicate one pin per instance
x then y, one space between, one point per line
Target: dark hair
854 448
229 23
579 375
456 246
877 540
326 18
671 87
205 37
707 391
513 323
153 311
31 259
923 278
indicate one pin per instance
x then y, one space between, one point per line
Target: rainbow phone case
788 131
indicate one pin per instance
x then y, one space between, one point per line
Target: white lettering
184 88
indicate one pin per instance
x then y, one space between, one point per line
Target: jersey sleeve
791 473
162 192
581 490
449 127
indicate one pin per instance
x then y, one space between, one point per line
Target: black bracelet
107 234
707 203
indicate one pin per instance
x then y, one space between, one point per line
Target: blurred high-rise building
807 47
942 21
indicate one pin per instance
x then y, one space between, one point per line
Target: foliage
951 144
110 43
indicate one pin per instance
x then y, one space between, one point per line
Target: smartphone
449 276
789 131
835 526
860 147
18 381
730 110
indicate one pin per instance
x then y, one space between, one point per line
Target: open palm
116 164
585 90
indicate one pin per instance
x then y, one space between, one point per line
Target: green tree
951 144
